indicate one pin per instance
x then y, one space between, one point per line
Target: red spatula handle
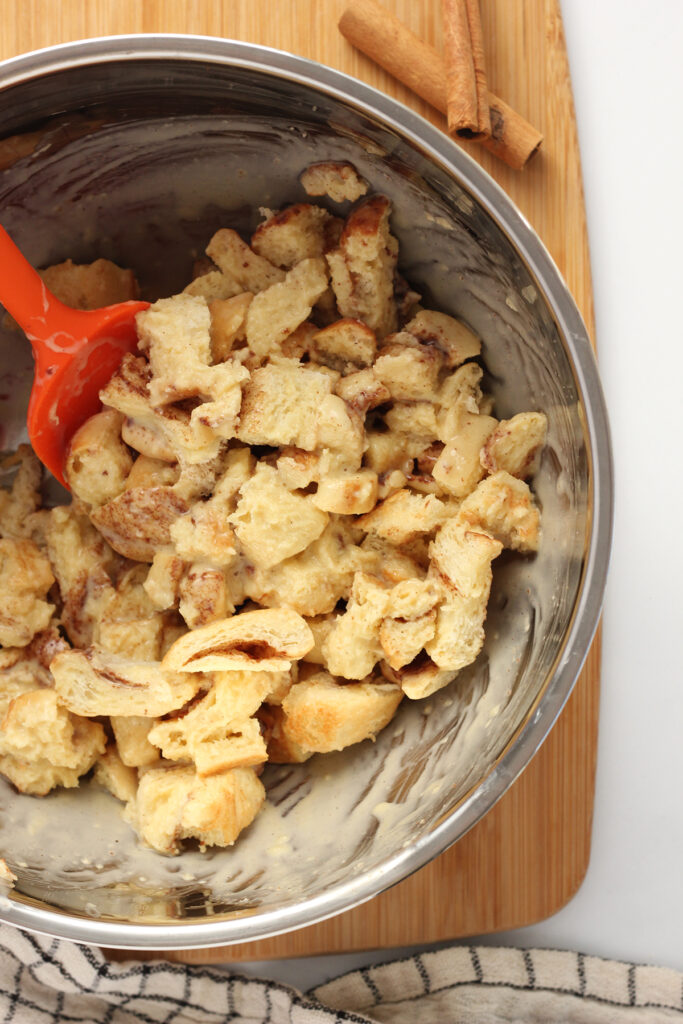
24 295
76 352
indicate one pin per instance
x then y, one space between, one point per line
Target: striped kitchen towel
45 980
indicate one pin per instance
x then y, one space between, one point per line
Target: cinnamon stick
381 36
467 106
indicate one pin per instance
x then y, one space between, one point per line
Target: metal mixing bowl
138 149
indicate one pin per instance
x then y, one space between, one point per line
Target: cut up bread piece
42 744
504 506
219 733
323 714
95 682
244 270
275 313
363 267
515 444
461 562
265 640
173 804
291 235
337 179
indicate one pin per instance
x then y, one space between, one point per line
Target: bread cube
347 493
412 598
405 515
341 435
130 600
245 270
218 417
218 733
450 336
458 468
323 715
150 472
280 684
20 503
35 726
320 626
115 776
128 392
410 621
352 648
459 632
242 747
140 638
462 556
90 285
197 480
504 507
281 747
265 640
81 560
95 682
237 695
175 333
415 418
42 745
25 578
294 234
345 344
337 179
97 461
173 804
515 444
280 406
461 562
204 533
131 733
272 523
299 344
298 468
75 548
138 522
390 564
402 641
276 313
408 372
386 451
459 396
362 391
214 286
40 651
147 439
363 267
203 595
312 582
162 584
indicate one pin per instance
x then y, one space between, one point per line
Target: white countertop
627 68
627 71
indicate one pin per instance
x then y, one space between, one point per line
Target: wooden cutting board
528 856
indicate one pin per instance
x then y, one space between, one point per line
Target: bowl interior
162 153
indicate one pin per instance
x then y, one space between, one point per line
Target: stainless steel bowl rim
516 228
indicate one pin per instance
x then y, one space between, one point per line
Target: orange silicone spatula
75 353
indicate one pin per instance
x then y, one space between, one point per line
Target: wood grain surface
528 856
